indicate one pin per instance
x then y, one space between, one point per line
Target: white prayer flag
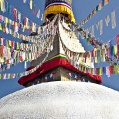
113 19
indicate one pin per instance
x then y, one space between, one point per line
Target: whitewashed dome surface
61 100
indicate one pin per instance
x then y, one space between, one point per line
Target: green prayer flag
0 76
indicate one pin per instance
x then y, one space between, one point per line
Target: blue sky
81 9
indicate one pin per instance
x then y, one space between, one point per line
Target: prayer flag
117 39
106 2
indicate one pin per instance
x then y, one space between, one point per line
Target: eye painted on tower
85 80
35 83
73 75
49 76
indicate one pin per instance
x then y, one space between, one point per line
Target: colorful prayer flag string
109 70
17 16
104 53
96 9
12 47
19 56
13 30
35 10
19 75
107 20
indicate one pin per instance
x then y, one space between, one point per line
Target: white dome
61 100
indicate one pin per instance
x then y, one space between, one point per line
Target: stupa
59 99
57 67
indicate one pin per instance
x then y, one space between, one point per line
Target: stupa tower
56 66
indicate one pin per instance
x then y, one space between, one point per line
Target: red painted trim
52 64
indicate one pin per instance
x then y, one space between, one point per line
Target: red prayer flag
1 18
24 21
117 39
111 70
35 10
15 14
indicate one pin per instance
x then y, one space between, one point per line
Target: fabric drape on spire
55 9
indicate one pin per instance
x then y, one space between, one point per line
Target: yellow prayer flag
23 29
103 46
15 53
12 23
10 43
2 5
9 75
9 53
94 11
6 20
26 22
39 30
115 49
33 27
116 69
31 2
0 27
100 71
30 56
2 59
